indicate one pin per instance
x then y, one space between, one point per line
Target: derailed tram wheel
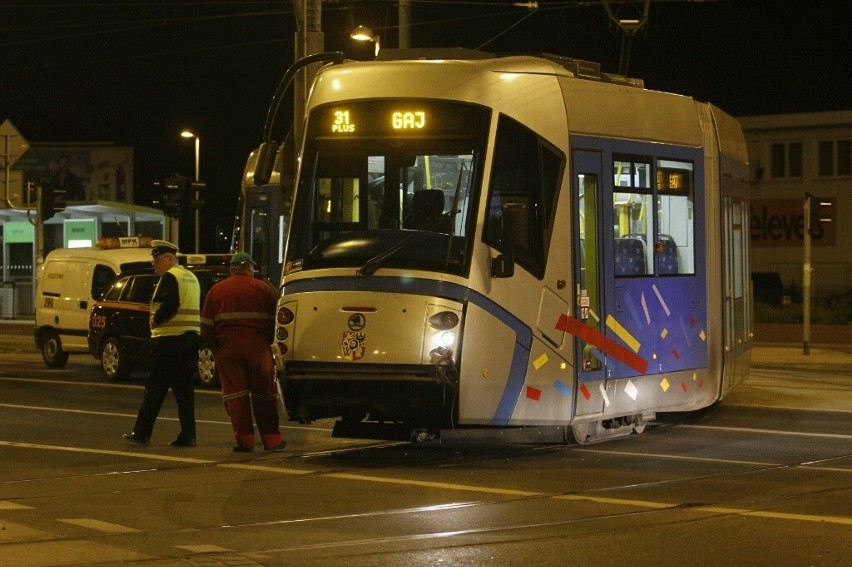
582 433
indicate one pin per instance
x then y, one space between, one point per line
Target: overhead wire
122 18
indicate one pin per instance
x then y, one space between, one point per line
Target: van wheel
51 350
207 376
114 360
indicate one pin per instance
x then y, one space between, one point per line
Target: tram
521 246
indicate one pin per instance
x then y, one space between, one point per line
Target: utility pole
807 270
404 12
309 40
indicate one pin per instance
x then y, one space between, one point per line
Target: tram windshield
399 196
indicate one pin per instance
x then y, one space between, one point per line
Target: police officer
175 321
238 319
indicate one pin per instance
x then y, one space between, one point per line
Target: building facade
790 156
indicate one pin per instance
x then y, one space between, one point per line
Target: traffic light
170 195
30 198
820 212
52 202
198 188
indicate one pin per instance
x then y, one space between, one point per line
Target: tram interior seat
428 207
629 256
667 256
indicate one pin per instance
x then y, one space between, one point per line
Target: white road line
458 487
133 416
788 408
205 549
767 431
55 382
6 505
98 525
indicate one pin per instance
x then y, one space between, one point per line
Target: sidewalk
17 336
836 359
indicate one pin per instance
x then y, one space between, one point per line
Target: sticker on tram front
354 345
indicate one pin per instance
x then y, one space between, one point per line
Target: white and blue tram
521 246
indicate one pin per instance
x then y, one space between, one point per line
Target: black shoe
133 438
243 449
183 442
279 447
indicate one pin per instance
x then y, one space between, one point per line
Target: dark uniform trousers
174 361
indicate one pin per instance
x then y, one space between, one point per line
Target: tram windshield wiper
454 210
376 262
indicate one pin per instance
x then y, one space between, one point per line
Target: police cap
163 247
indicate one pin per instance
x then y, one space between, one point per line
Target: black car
119 332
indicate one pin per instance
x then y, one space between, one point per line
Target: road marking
133 416
266 468
98 525
456 487
205 549
726 403
55 382
766 431
6 505
150 456
777 515
102 413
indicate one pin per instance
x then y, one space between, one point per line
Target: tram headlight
444 339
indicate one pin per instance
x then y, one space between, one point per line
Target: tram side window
633 217
522 195
675 244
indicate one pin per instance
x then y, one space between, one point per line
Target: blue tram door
588 313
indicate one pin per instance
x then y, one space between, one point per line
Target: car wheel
51 350
207 376
114 363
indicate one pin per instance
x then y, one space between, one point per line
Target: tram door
736 308
264 229
588 289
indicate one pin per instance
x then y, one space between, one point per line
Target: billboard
86 172
781 222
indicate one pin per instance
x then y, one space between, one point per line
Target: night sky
136 73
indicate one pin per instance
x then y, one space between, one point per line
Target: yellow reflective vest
188 316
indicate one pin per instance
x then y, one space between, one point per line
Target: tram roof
579 68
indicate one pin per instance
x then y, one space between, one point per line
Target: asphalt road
761 479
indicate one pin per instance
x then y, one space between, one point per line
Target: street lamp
190 134
363 33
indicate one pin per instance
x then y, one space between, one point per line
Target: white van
69 283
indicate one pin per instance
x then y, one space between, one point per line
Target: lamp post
363 33
191 134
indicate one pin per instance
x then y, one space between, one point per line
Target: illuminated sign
342 120
408 120
397 118
673 180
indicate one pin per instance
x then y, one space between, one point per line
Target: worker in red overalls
238 320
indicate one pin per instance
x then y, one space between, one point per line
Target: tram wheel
582 433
